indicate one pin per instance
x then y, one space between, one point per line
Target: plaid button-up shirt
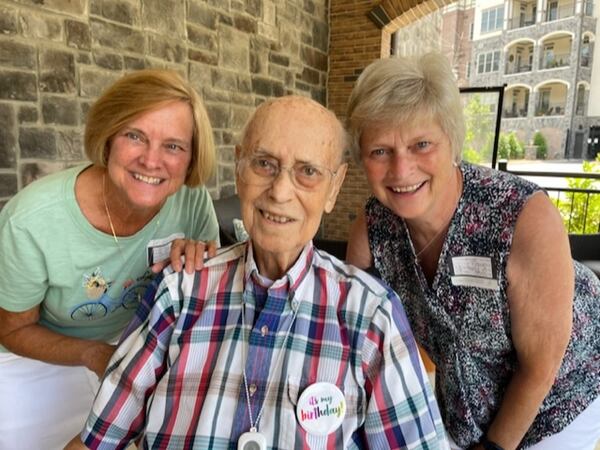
176 381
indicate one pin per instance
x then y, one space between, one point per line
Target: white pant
42 406
581 434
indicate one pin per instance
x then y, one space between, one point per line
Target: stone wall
57 56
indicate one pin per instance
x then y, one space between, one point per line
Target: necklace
110 222
253 440
444 228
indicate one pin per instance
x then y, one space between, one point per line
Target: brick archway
360 33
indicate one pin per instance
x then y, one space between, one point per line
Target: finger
177 249
190 254
199 257
159 266
211 248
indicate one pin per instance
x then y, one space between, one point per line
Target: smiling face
280 217
149 158
409 167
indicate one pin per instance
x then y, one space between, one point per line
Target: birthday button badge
321 408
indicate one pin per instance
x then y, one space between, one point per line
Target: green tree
509 146
479 136
542 146
581 211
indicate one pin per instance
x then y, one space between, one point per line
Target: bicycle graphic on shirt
101 303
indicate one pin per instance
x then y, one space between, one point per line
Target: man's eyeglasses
260 170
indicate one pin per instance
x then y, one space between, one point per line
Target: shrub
539 141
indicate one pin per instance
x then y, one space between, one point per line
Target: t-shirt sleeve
23 272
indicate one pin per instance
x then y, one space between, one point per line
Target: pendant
252 440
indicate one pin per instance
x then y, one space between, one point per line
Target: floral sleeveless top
462 319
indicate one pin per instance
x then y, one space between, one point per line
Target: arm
540 296
358 251
21 334
396 383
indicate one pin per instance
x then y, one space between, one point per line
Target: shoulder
45 194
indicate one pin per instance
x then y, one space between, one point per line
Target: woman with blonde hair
76 248
481 260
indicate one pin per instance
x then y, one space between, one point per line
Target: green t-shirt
87 285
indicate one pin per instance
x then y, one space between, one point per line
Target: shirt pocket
355 401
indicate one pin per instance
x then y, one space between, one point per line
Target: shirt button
264 330
252 389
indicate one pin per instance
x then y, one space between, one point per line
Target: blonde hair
402 89
140 92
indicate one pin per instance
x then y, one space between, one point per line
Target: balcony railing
521 22
554 61
510 114
577 206
517 68
561 12
552 110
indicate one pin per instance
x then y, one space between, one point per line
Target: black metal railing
576 204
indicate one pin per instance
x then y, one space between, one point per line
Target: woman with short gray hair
481 260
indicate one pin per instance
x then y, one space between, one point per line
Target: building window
488 62
491 19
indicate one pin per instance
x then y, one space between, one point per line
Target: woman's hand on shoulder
193 252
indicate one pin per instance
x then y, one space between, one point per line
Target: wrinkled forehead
294 130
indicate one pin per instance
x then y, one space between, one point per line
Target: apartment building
543 52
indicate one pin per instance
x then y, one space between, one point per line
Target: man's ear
334 188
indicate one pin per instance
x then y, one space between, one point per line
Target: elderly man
273 344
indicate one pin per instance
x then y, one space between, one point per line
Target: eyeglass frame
247 162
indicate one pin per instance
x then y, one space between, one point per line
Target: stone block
200 76
227 190
124 11
227 139
314 58
310 76
164 17
166 49
267 87
244 84
259 62
223 79
18 86
320 32
319 95
279 59
218 114
8 185
37 26
212 95
201 14
94 82
234 49
245 23
28 114
309 6
203 57
226 20
199 37
8 140
57 72
268 31
8 20
84 58
239 116
226 173
108 61
117 37
253 7
70 145
78 35
302 86
133 63
60 111
36 170
14 54
242 99
37 143
277 72
62 6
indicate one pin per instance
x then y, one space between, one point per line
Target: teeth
145 179
403 189
278 219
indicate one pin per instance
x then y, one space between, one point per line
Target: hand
194 255
75 444
96 357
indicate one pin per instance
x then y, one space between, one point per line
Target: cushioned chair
586 249
228 209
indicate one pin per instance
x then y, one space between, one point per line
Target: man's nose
283 185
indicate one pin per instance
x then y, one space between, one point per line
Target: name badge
159 249
474 271
321 408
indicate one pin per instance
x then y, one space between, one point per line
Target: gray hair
398 89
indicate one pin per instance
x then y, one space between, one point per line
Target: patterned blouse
462 319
